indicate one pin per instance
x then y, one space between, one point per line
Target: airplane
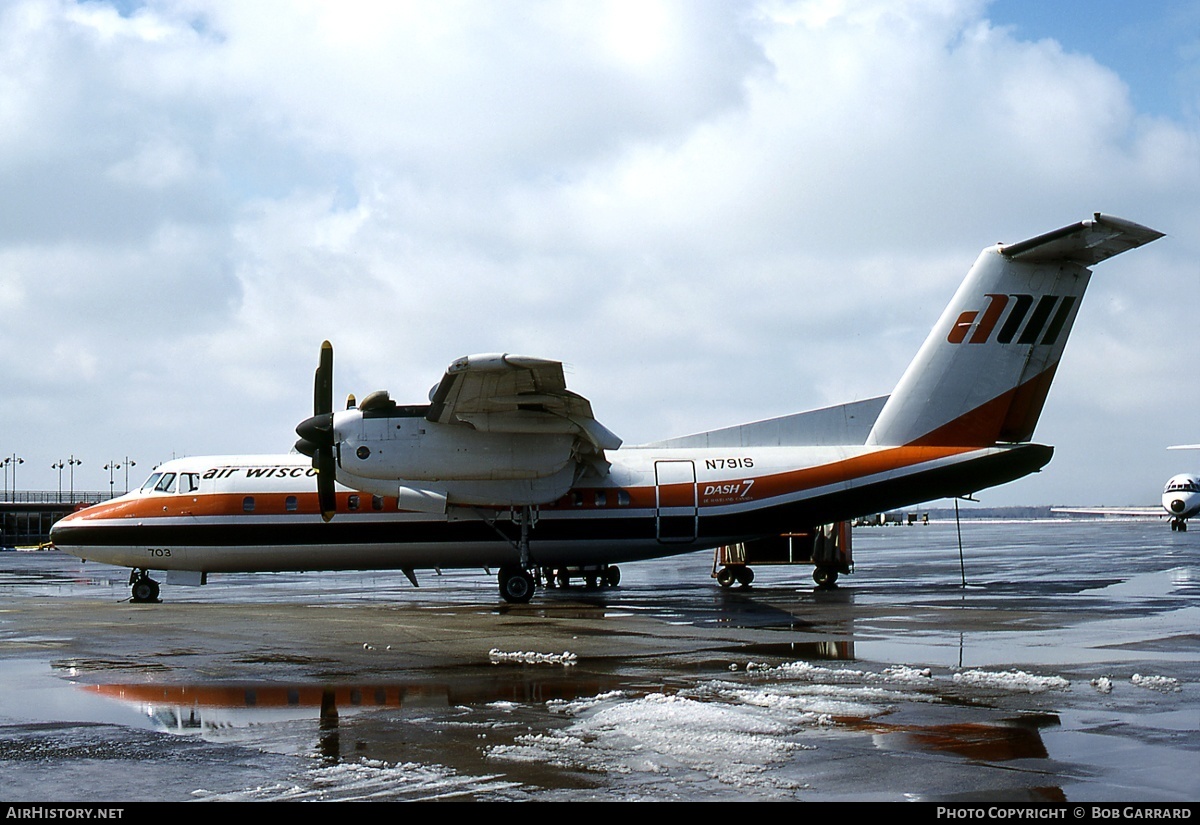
506 468
1180 499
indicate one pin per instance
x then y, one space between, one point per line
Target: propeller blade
323 382
326 474
316 434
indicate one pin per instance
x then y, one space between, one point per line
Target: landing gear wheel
612 576
825 577
725 577
563 579
143 589
744 576
516 585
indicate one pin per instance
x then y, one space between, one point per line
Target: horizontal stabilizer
1084 243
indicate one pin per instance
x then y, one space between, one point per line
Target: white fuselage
252 513
1181 496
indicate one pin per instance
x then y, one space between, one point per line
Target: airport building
26 516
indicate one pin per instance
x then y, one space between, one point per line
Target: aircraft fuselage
258 513
1181 499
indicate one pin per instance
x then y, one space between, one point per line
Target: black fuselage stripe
771 519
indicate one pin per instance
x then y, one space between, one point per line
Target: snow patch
367 780
566 659
676 736
1163 684
1015 680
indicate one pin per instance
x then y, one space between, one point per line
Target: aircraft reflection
1001 742
210 708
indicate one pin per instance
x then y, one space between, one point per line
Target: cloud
712 211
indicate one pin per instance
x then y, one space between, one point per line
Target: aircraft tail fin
982 375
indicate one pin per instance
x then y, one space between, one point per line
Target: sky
711 212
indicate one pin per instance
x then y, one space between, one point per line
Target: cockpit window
151 482
189 482
166 484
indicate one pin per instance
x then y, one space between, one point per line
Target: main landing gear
143 589
739 573
519 581
825 577
594 575
516 584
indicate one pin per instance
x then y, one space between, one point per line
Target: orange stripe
1009 417
764 487
224 504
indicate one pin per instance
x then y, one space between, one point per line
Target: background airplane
505 467
1180 499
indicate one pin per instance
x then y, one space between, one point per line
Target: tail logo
1048 318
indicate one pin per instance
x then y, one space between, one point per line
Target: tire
825 577
725 577
744 576
516 585
612 576
145 590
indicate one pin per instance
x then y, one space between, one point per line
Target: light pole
14 460
58 465
72 462
128 464
112 467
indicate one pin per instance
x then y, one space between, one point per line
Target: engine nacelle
416 449
439 497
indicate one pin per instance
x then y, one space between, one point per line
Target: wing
506 393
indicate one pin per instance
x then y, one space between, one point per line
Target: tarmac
1052 661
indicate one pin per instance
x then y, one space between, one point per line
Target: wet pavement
1066 669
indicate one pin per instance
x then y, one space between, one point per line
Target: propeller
316 433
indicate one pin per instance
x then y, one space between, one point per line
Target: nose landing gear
143 589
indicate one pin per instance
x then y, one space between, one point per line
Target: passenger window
248 504
622 498
376 502
601 498
352 501
291 504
